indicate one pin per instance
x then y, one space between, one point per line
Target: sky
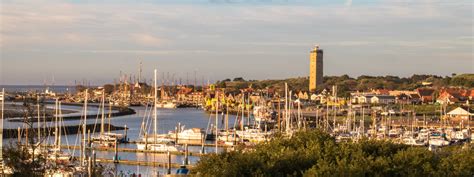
61 42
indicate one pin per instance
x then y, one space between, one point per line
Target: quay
184 142
112 149
142 163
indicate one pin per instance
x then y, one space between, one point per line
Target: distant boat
167 105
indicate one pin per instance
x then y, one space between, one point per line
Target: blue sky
255 39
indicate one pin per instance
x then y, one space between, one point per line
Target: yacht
394 133
228 137
436 139
110 137
253 135
160 147
167 105
188 134
412 141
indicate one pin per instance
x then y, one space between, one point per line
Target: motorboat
188 134
167 105
413 141
160 147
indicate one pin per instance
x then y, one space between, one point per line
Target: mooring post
146 141
116 152
186 154
169 162
19 135
126 139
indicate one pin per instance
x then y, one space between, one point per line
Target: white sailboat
55 153
158 142
107 138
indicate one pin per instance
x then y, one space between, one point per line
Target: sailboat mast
217 117
103 114
56 133
287 125
39 121
84 128
243 112
1 127
155 119
59 129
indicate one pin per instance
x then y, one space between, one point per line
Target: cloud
270 31
348 3
147 39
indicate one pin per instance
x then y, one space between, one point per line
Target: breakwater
65 130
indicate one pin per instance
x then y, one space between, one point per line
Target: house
461 113
426 94
381 91
303 95
362 99
183 93
382 99
453 95
407 99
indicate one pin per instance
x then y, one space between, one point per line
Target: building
315 68
382 99
426 94
461 113
453 95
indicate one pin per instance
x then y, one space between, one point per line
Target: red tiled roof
425 92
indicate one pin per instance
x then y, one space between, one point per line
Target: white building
460 112
382 99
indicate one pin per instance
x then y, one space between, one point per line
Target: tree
19 157
109 88
239 79
315 153
80 88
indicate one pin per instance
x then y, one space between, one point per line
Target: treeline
346 84
315 153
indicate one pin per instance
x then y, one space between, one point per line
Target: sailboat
67 165
55 153
107 138
158 142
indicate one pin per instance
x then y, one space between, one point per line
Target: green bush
315 153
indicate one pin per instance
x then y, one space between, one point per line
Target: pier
142 163
112 149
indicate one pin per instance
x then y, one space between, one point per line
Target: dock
142 163
112 149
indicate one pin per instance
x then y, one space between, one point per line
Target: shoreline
66 130
122 111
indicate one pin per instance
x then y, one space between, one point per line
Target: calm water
167 120
38 88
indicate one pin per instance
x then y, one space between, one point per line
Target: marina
175 145
236 88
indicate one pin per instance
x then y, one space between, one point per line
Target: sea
38 88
